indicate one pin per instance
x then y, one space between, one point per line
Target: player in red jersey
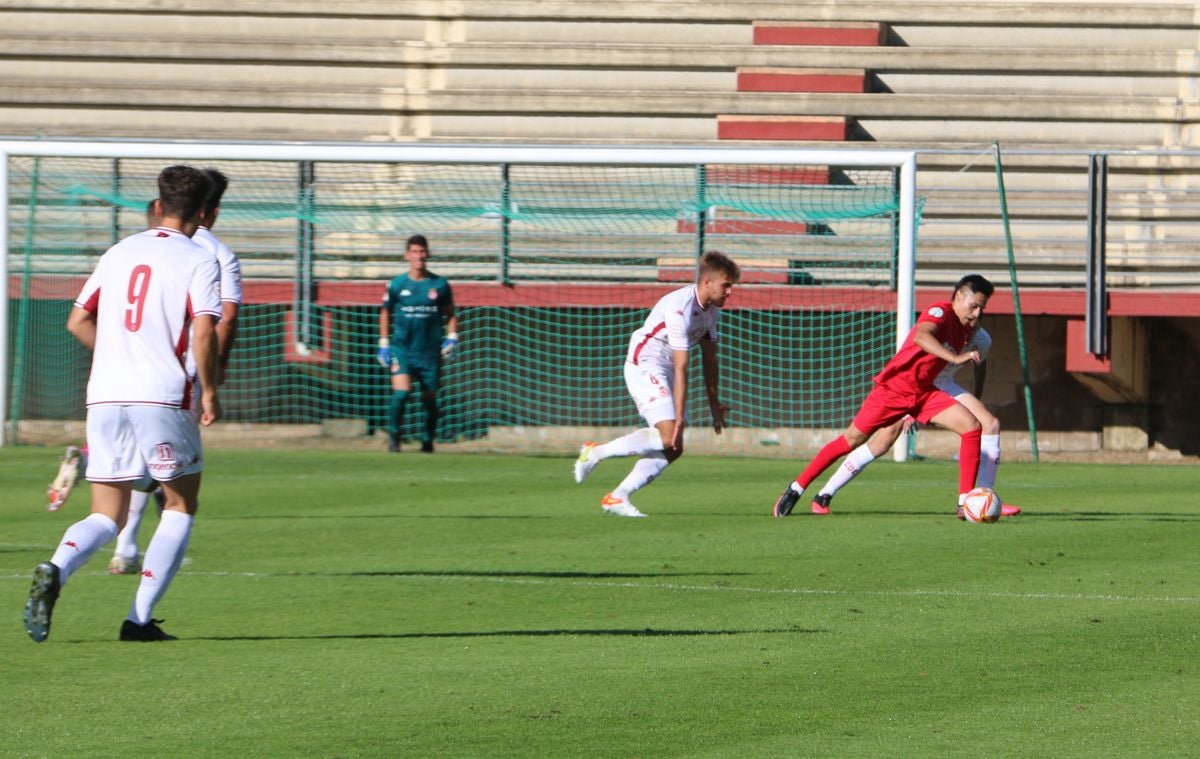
906 386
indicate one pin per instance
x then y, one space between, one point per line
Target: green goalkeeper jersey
416 307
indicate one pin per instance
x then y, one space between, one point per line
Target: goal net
555 256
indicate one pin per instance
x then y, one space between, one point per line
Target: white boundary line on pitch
704 588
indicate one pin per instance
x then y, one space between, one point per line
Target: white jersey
231 277
231 268
676 323
980 341
144 292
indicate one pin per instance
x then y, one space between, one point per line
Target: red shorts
884 406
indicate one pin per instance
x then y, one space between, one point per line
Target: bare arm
924 339
712 376
82 324
205 350
385 326
226 335
680 359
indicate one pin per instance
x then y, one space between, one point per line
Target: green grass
343 604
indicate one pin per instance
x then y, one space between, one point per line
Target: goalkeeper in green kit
412 341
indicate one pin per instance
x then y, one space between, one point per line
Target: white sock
857 461
162 560
989 461
127 539
638 443
80 541
644 472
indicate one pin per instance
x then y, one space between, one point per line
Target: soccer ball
981 506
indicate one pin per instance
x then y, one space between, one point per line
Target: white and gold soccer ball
982 506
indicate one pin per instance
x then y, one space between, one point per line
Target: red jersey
912 369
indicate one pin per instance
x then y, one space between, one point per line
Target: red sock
968 460
831 453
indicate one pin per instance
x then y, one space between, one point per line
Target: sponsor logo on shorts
165 456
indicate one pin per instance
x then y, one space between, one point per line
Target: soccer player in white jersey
656 375
138 395
125 555
882 440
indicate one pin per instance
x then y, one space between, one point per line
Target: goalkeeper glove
384 356
449 346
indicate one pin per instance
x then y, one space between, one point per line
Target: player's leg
957 418
178 464
658 409
879 409
645 471
429 378
113 463
989 447
646 387
989 442
124 560
858 460
70 471
401 387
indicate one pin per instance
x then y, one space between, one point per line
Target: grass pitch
345 604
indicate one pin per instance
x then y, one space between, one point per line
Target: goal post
555 254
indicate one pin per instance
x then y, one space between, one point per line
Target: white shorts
650 388
951 389
124 442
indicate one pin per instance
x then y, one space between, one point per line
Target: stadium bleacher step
826 33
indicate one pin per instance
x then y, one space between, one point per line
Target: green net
553 267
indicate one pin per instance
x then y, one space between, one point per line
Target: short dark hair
220 182
417 240
976 283
716 261
182 191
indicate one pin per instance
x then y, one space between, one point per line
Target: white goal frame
904 161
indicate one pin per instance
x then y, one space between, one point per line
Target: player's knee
991 425
673 453
855 437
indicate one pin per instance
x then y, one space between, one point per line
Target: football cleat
40 605
147 633
1009 511
119 565
584 464
619 507
820 504
961 514
426 446
68 474
393 443
787 500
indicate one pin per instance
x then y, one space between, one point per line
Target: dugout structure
555 255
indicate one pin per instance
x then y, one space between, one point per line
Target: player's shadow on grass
335 515
638 632
1110 516
555 575
1072 516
